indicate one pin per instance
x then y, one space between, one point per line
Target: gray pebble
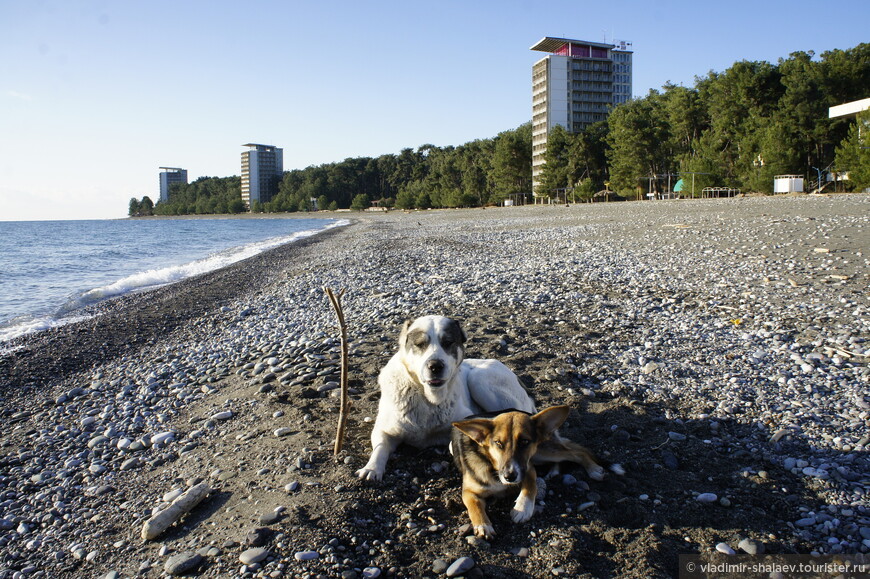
183 563
751 547
460 566
253 555
258 537
270 518
669 459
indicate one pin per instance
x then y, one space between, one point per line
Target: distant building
168 177
575 85
262 171
849 109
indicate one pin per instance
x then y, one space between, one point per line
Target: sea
50 270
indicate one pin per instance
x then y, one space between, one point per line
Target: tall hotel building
575 85
168 177
262 171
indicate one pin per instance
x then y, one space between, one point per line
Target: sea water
50 270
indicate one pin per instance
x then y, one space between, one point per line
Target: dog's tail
559 449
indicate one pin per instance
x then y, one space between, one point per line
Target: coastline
701 343
288 215
123 323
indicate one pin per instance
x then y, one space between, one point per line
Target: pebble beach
717 349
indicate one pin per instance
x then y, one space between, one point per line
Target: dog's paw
484 531
523 509
366 473
596 472
617 469
553 472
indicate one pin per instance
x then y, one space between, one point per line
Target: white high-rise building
169 176
574 86
262 171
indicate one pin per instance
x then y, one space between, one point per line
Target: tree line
481 172
738 128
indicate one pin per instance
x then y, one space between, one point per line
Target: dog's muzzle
511 473
434 368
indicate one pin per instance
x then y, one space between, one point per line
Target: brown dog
496 455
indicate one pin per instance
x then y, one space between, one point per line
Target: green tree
795 122
738 104
554 174
146 206
405 199
475 166
205 195
638 139
360 202
134 207
586 189
853 154
587 157
236 206
511 170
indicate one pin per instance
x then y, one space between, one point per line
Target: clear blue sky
96 95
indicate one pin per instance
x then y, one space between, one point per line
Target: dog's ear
403 335
477 429
458 331
548 420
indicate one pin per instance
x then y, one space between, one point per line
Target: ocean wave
163 276
146 280
23 326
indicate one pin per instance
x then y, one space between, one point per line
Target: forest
738 128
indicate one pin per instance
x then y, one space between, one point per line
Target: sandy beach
717 349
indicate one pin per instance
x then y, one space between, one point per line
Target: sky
96 95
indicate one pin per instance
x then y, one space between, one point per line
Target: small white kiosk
788 184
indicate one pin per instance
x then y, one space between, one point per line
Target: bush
360 202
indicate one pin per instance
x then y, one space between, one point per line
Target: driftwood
167 517
335 300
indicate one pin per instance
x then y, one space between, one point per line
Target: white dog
428 384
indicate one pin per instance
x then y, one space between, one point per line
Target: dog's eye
498 444
523 442
446 343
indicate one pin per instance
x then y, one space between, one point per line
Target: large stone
253 555
460 566
183 563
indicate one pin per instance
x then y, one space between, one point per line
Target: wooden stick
335 300
154 526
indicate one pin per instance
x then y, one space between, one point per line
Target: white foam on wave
167 275
26 326
148 280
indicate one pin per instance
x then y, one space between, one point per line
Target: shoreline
287 215
128 321
59 308
711 347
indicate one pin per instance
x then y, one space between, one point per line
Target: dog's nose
511 474
435 366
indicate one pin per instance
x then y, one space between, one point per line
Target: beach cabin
788 184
